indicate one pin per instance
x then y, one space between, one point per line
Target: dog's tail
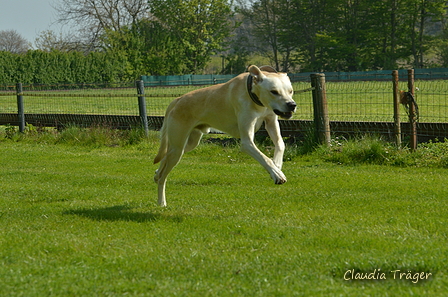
163 135
163 145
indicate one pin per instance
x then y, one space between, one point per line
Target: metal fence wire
360 101
432 99
119 99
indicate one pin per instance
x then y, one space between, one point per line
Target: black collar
249 90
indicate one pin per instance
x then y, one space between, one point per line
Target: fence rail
354 107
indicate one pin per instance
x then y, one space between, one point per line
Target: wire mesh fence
81 104
349 102
432 100
82 99
8 102
360 101
158 98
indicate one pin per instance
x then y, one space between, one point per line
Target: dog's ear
268 69
256 74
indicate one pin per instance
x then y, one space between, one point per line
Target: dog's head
274 91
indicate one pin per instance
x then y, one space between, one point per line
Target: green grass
371 150
82 220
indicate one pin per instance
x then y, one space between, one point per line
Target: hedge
39 67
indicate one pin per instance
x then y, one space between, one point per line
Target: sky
29 17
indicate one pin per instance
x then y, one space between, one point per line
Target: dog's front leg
248 146
273 128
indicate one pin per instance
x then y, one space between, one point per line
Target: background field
347 101
83 221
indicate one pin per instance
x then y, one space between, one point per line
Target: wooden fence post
20 107
321 118
396 91
412 111
142 106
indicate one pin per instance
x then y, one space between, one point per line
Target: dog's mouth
283 115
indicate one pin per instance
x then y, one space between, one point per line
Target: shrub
364 150
433 153
370 150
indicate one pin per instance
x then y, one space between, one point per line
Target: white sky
28 17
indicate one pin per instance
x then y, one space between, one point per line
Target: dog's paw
280 181
278 177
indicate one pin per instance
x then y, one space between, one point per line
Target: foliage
236 62
158 37
94 137
10 131
39 67
13 42
131 47
94 17
168 37
99 136
48 41
148 47
340 35
433 153
370 150
341 151
199 27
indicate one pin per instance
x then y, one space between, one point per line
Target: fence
60 105
354 107
191 79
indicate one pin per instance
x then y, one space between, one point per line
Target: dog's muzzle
290 106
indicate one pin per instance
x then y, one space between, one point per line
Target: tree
287 31
200 27
177 36
235 58
420 14
148 48
264 16
48 41
347 35
11 41
94 17
305 26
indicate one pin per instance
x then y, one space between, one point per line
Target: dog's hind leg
177 142
170 160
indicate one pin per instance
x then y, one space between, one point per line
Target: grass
371 150
80 219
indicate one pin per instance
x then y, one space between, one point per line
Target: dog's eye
274 92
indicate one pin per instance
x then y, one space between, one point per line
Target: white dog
238 108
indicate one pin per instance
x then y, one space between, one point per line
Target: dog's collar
249 90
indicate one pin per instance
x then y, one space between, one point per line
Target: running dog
238 108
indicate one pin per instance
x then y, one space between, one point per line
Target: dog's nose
291 105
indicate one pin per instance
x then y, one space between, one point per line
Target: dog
238 108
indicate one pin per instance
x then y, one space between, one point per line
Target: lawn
83 221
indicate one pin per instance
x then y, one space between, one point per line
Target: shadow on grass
122 213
